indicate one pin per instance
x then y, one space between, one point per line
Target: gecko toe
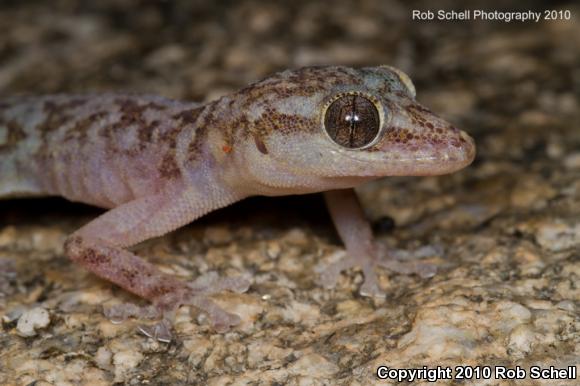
372 290
194 294
211 283
118 313
410 262
160 331
220 319
330 273
398 261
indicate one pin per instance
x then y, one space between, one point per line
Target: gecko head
341 126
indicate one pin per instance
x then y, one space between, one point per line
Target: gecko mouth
436 159
427 159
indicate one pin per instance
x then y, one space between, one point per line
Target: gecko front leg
99 247
361 249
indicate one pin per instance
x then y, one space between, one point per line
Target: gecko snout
467 148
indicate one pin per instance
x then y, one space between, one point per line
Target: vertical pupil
352 121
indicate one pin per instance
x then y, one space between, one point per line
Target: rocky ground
508 227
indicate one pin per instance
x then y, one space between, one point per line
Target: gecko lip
456 157
430 159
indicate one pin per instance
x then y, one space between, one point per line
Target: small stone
566 305
32 320
558 236
218 235
521 340
8 236
197 347
166 55
555 150
531 192
273 250
528 259
296 237
48 240
313 365
125 361
510 315
572 161
263 353
103 358
307 314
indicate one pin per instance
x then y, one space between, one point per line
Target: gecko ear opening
352 121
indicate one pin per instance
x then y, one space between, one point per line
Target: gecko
157 164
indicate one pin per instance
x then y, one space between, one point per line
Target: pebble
31 321
124 361
572 161
218 235
558 235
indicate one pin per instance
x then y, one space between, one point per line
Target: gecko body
158 164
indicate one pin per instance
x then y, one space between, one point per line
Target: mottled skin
158 164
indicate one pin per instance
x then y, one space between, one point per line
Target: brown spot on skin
129 276
15 134
236 130
169 168
56 117
157 291
145 134
57 114
50 106
132 113
155 106
72 243
304 82
417 108
77 251
189 117
92 257
284 124
80 130
201 131
260 145
130 108
388 89
227 149
170 136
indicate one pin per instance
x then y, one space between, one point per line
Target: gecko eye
352 121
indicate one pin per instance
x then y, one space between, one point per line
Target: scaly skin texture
158 164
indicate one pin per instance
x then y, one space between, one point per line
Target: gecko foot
194 294
399 261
